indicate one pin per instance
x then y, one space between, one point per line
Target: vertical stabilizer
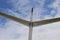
31 25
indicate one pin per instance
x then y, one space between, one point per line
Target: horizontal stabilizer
37 23
43 22
15 19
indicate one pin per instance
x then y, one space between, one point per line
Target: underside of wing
43 22
15 19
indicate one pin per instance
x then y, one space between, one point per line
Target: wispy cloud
48 11
56 6
17 31
20 9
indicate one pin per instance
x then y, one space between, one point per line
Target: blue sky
43 9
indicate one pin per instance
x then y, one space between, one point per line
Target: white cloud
56 6
19 2
41 3
56 10
47 32
23 11
38 13
14 31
